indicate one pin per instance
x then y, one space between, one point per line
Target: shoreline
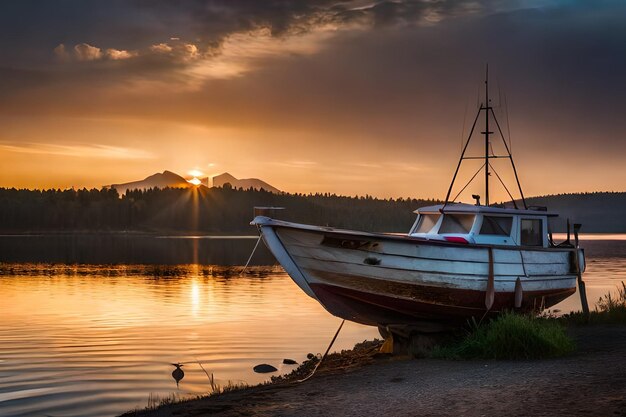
590 381
240 234
137 233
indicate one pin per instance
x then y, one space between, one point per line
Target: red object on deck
456 239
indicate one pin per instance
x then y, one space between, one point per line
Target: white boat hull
380 279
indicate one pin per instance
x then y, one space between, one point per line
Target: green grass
610 309
510 336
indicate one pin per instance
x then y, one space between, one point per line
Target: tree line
189 210
598 212
228 210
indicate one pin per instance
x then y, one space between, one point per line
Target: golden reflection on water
98 340
195 297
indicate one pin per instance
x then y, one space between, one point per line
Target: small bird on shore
177 373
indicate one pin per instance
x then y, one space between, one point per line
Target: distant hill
600 212
169 179
158 180
245 183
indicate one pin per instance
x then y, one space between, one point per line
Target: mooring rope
251 255
325 354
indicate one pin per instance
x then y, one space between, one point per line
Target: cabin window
532 232
496 225
427 222
457 223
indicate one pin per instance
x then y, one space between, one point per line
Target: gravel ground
591 382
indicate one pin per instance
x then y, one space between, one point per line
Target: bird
177 373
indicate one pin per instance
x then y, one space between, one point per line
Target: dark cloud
214 19
33 28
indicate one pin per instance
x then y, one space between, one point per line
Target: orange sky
363 100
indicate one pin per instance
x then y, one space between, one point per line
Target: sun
195 173
195 181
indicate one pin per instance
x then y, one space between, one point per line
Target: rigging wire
468 183
519 186
464 119
499 94
502 182
489 152
469 138
508 126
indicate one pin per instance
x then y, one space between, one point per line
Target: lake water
91 324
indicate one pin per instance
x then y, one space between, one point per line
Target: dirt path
591 382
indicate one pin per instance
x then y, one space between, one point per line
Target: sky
348 97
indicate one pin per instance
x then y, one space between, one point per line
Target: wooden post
490 291
581 284
519 293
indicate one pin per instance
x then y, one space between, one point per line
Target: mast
487 108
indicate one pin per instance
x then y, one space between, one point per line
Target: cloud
61 53
117 54
191 50
86 52
161 48
240 53
80 151
299 164
226 39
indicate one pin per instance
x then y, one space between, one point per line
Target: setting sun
195 181
195 173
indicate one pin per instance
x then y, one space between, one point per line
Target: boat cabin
474 224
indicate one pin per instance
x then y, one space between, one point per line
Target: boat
457 261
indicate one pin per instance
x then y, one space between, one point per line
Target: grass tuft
510 336
217 389
155 401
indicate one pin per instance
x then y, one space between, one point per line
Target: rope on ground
325 354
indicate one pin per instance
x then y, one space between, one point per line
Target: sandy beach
592 381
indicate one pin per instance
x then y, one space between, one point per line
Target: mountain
158 180
173 180
245 183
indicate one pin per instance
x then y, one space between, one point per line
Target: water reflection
99 340
133 249
606 269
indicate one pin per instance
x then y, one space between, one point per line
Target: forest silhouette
227 210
